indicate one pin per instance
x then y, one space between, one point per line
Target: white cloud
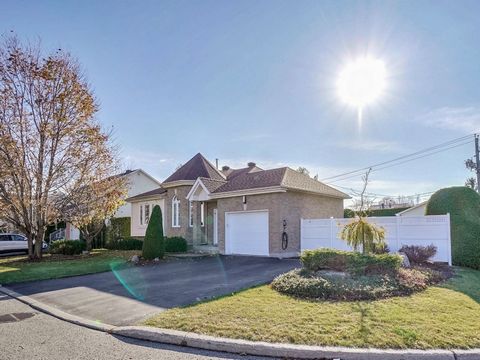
159 165
463 119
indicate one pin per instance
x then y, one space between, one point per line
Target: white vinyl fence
399 231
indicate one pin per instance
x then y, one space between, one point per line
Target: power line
399 163
430 149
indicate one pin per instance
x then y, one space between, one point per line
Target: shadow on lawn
466 281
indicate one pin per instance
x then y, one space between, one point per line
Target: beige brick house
248 211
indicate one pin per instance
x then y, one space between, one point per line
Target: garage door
247 233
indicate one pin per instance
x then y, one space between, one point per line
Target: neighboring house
417 210
238 211
138 181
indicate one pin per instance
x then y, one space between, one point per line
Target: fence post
449 237
397 231
331 232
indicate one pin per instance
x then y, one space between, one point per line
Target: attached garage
247 233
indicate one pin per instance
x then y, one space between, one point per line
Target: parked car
14 243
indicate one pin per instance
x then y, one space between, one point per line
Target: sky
244 81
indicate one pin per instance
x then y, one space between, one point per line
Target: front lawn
441 317
19 269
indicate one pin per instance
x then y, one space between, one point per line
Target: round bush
463 204
67 247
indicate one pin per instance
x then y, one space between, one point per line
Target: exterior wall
138 183
415 211
137 229
290 206
184 229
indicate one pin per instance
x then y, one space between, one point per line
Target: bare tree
89 207
51 146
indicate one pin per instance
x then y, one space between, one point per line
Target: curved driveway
128 296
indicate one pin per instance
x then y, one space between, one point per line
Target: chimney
216 163
225 168
251 164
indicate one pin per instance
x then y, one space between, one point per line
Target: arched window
175 212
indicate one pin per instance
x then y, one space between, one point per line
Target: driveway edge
239 346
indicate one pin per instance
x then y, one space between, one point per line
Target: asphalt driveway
128 296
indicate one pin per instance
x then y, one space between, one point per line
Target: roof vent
251 164
225 168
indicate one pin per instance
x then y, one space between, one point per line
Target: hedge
67 247
463 204
352 262
124 244
119 228
349 213
175 244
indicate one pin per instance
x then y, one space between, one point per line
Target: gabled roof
284 177
196 167
297 181
253 180
147 194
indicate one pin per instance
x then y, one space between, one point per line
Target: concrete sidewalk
128 296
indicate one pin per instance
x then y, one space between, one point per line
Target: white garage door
247 233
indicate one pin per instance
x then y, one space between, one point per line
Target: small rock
405 260
135 259
156 259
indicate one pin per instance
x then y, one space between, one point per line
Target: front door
215 227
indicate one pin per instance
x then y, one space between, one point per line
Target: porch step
205 249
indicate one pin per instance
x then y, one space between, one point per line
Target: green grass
19 269
440 317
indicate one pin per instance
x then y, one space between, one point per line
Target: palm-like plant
361 233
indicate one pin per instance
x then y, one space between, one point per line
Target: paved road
39 336
127 296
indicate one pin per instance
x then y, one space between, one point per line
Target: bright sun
362 82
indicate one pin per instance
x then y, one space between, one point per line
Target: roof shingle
196 167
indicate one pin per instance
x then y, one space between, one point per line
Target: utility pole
477 159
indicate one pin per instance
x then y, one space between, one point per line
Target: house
417 210
238 211
138 181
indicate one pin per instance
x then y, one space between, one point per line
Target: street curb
239 346
59 314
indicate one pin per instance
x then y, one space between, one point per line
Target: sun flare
362 82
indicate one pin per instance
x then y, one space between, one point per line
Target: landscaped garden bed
329 274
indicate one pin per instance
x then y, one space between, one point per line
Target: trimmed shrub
411 280
463 204
352 262
302 284
323 285
119 228
67 247
175 244
154 243
419 254
124 244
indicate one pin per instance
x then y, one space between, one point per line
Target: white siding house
138 182
417 210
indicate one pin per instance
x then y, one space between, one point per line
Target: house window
175 212
190 213
147 213
141 215
202 213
